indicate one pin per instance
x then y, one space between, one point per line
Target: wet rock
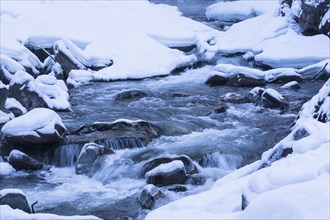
245 202
131 95
88 155
281 152
234 98
255 94
119 134
221 109
21 88
33 133
270 98
3 96
288 78
216 80
21 161
167 174
66 62
177 188
189 165
14 198
291 85
149 195
196 179
241 80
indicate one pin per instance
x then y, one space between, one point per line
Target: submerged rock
88 155
131 95
119 134
14 198
241 80
21 161
149 195
216 80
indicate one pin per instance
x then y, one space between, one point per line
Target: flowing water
183 108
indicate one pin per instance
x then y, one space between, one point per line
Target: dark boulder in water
241 80
216 80
14 198
130 95
149 195
21 161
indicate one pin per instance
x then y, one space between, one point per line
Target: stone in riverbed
88 155
291 85
167 174
149 195
21 161
234 98
241 80
216 80
131 95
270 98
14 198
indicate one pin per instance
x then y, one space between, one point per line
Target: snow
289 84
295 187
166 167
300 51
6 169
38 120
232 70
9 213
134 34
9 66
5 117
4 192
273 93
13 103
240 10
54 92
325 19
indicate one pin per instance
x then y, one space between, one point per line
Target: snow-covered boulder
255 94
270 98
88 155
14 198
15 107
21 161
39 127
149 195
44 91
233 97
167 174
8 68
240 80
3 95
217 80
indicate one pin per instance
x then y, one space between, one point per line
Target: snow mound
35 122
284 184
6 169
9 213
240 10
166 168
13 103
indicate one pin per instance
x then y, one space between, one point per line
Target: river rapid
183 107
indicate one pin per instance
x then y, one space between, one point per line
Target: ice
37 120
240 10
9 213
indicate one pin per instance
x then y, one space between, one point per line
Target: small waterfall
223 161
123 143
65 155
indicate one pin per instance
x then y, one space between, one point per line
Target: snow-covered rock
149 195
167 174
44 91
3 95
289 185
88 155
131 95
291 85
38 127
14 198
15 107
8 68
240 10
21 161
270 98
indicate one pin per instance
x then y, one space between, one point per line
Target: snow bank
6 169
300 51
295 187
5 117
240 10
35 122
135 34
9 213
